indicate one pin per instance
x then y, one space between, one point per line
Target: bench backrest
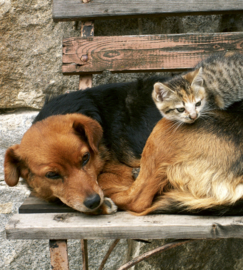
83 10
173 52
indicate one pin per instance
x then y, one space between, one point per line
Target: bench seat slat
100 9
121 225
174 52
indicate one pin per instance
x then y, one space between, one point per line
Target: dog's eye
198 103
85 159
180 109
53 175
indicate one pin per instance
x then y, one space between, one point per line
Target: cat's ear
198 79
161 91
195 77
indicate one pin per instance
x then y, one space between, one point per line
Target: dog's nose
92 201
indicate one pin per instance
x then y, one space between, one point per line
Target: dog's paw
109 206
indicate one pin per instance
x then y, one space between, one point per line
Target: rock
12 128
31 54
6 208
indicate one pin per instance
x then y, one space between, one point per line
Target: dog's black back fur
125 111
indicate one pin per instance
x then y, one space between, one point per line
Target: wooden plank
84 250
87 30
144 53
121 225
100 9
36 205
59 254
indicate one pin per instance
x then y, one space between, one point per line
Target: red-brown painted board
59 254
144 53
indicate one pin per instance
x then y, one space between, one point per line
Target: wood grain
87 30
58 254
173 52
121 225
99 9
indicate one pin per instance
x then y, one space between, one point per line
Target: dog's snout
92 201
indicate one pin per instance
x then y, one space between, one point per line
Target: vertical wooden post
85 81
59 254
84 249
87 30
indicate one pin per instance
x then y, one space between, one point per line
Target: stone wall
30 68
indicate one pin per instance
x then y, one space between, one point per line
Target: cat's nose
193 116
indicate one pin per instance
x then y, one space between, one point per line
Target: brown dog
53 169
78 137
58 162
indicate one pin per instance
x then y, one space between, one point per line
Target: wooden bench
89 54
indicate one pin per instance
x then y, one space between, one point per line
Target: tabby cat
215 83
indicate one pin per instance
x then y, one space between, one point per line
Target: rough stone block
6 208
31 54
12 128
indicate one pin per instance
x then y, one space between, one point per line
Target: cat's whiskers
206 117
178 126
172 126
175 126
207 109
207 113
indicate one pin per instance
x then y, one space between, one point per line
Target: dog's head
60 157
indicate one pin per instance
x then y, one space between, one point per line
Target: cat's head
182 98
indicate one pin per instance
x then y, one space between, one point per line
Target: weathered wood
144 53
36 205
87 30
84 249
111 248
121 225
99 9
155 251
59 254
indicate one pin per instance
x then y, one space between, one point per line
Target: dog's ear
89 130
11 166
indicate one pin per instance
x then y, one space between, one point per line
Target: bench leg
84 250
113 245
58 254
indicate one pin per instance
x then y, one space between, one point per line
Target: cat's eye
198 103
85 159
53 175
180 109
169 110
